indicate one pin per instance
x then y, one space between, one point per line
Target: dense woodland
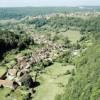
10 40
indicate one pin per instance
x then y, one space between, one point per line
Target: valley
52 55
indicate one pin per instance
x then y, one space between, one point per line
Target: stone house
11 74
9 84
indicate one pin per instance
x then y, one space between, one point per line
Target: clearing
73 35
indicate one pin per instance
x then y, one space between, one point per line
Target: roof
7 83
12 72
20 58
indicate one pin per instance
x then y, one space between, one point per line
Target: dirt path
52 82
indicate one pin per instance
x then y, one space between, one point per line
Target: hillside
85 84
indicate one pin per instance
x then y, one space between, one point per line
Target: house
9 84
11 74
19 58
22 72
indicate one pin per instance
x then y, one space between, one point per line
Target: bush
68 72
47 63
64 57
73 72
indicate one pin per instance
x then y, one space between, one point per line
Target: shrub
68 72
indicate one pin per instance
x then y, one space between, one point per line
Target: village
19 74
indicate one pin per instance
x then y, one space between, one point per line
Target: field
52 81
3 93
73 36
2 71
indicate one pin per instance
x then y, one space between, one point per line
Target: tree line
10 40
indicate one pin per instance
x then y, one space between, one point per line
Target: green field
3 93
52 81
72 35
2 71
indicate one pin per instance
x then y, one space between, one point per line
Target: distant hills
20 12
